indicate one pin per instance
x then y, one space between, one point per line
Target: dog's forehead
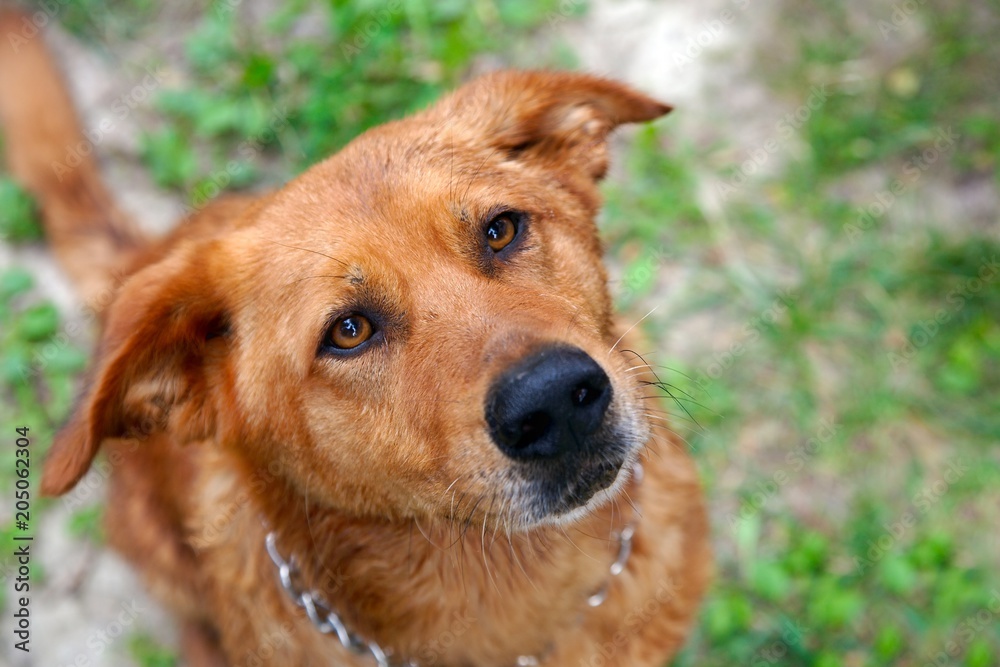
408 166
380 204
391 186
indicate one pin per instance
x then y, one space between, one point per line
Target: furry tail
50 157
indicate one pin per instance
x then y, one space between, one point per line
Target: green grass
258 97
849 444
148 653
38 373
18 221
846 416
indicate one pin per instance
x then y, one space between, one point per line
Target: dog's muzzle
549 413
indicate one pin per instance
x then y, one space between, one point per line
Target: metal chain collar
325 618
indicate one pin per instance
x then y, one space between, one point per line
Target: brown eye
350 331
501 231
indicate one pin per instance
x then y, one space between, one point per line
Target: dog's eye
349 332
501 231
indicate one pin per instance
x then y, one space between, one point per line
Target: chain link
327 621
320 612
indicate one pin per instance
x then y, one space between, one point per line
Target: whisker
685 396
679 418
426 536
475 174
674 434
513 552
315 252
668 368
576 546
486 564
628 499
629 370
627 331
665 387
314 277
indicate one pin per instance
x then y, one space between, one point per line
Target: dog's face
418 326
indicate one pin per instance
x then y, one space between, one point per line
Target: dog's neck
400 583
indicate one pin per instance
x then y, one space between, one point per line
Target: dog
383 415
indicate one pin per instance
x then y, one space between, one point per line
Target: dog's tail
50 157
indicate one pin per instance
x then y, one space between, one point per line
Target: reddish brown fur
210 400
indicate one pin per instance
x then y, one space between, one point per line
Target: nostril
533 428
585 394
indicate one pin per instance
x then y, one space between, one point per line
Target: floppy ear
555 117
164 331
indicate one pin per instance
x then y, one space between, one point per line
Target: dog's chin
592 491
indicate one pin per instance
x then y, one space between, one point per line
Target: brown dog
403 367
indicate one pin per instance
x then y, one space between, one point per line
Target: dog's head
418 326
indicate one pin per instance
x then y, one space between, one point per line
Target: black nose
548 404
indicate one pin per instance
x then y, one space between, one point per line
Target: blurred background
814 230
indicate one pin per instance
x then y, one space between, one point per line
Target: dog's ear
164 331
557 118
